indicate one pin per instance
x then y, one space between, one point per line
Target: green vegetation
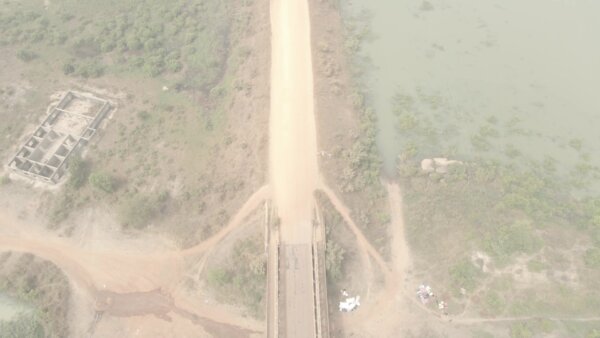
26 55
172 68
138 210
465 275
364 163
186 40
592 258
493 303
363 158
503 218
593 334
103 181
78 171
507 240
530 329
509 211
70 197
336 245
334 258
61 207
360 175
40 284
4 180
242 276
23 326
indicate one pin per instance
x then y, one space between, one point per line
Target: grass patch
138 210
242 277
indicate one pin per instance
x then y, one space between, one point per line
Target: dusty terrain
131 278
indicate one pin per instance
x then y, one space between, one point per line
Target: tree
465 275
68 68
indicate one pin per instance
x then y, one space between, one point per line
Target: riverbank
346 127
505 229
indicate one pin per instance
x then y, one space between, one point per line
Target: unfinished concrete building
66 129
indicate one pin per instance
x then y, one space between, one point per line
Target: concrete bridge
296 286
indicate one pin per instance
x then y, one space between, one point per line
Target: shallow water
10 307
532 67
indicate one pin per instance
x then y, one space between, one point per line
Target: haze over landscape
299 168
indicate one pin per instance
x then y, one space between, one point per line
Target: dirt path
293 139
363 242
250 205
126 274
401 260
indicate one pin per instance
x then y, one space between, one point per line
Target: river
529 70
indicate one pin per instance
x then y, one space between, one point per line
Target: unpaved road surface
293 141
293 160
116 278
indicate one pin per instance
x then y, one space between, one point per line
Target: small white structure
350 304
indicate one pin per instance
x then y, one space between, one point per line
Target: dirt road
293 159
125 272
293 140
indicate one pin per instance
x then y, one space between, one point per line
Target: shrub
102 181
592 258
241 277
136 211
506 240
465 275
26 55
25 325
521 330
68 68
334 258
494 303
79 171
92 69
218 277
143 115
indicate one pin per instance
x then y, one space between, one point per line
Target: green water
530 70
